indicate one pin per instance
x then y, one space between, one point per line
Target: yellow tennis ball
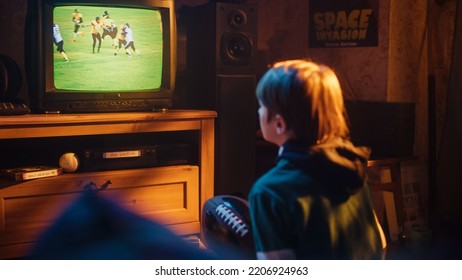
69 162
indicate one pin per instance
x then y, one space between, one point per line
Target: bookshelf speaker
221 59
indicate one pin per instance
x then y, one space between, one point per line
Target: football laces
228 216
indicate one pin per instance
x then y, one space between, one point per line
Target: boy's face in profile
265 124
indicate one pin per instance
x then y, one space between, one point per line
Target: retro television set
105 79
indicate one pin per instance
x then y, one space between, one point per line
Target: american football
226 228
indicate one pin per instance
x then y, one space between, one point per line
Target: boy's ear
280 124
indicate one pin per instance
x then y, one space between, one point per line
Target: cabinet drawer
167 195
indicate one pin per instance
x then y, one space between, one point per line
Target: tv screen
107 62
101 55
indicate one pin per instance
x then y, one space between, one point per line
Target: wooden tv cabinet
172 195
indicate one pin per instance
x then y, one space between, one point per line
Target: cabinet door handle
92 186
105 185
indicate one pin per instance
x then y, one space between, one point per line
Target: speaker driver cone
237 18
236 48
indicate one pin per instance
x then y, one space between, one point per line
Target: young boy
315 202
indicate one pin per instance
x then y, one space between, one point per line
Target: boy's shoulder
280 178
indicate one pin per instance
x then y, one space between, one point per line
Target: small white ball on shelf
69 162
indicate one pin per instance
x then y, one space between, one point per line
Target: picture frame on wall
343 23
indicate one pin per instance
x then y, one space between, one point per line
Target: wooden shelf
171 195
50 125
